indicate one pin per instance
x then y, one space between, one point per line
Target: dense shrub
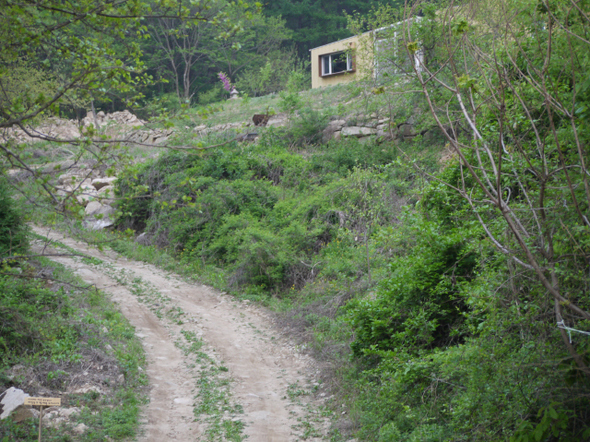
456 345
421 305
23 305
13 231
262 213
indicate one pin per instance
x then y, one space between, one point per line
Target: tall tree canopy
317 22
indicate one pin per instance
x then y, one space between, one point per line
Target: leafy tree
177 44
260 39
317 22
506 84
191 53
90 50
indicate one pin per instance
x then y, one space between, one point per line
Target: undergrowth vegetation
51 326
272 218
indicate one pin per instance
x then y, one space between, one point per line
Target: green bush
261 212
421 305
454 348
307 128
23 307
283 70
13 231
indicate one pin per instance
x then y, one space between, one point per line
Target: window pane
339 63
385 57
326 65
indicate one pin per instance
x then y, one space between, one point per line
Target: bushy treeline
320 22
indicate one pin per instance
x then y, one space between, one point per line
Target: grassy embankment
55 330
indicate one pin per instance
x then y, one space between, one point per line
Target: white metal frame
329 57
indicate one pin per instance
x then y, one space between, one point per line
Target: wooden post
42 402
40 422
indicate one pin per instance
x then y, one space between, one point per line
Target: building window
336 63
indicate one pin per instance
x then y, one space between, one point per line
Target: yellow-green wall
361 48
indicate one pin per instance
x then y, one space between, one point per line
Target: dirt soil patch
202 344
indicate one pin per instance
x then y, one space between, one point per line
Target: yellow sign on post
42 402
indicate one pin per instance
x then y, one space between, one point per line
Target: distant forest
318 22
272 46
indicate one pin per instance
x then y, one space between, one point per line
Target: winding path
262 372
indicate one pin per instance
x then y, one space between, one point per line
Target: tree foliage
92 48
80 52
189 54
509 75
481 332
319 22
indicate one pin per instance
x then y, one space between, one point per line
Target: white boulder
357 131
99 183
11 400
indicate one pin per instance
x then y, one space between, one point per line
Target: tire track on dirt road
191 332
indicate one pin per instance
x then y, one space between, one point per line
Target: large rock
87 192
70 178
99 216
338 123
94 208
23 413
55 416
80 429
144 239
123 118
92 223
63 190
331 129
99 183
357 131
10 401
106 195
406 130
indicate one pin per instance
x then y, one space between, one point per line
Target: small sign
43 401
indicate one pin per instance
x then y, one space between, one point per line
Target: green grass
339 101
72 323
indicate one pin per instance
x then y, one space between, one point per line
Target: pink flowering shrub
225 80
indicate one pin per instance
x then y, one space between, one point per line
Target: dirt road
217 368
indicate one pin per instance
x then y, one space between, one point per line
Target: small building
339 62
368 55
